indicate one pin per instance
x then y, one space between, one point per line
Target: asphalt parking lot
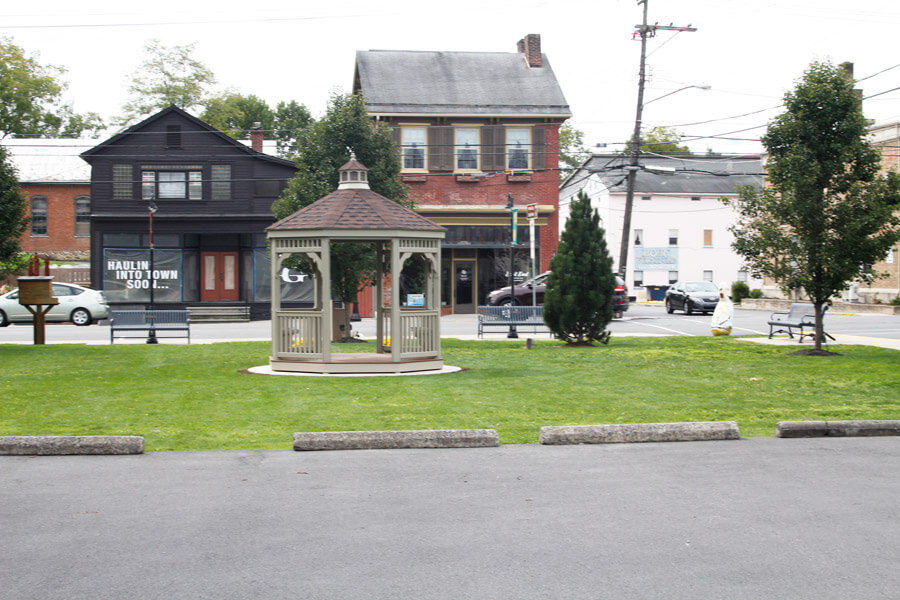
751 518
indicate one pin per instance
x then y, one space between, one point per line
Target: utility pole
644 31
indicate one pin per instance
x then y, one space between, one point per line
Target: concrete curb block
71 444
370 440
641 432
804 429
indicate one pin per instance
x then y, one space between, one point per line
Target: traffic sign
532 211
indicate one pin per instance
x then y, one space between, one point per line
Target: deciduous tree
235 115
322 149
825 212
578 299
30 98
170 75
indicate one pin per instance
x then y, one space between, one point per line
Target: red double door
219 276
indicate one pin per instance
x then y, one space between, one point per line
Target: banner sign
127 275
655 259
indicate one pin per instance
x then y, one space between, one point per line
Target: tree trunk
817 306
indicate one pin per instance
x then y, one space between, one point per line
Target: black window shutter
493 148
440 148
538 147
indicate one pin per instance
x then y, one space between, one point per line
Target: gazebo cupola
408 337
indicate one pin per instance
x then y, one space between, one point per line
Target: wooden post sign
35 294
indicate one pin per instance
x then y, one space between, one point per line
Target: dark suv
523 294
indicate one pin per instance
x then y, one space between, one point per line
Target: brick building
473 130
57 186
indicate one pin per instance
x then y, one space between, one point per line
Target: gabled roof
116 139
684 175
49 160
457 83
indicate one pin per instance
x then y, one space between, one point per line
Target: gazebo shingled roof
355 209
354 206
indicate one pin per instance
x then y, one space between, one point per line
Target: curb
71 444
379 440
805 429
640 432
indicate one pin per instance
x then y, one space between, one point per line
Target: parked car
77 304
523 294
690 296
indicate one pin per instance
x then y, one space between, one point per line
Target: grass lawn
193 397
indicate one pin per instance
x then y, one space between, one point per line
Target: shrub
896 301
756 294
739 291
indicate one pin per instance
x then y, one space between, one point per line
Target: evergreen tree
578 300
13 216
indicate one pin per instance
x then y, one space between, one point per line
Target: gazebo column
379 297
396 267
276 262
324 295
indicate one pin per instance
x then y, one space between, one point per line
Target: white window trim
528 145
403 128
456 148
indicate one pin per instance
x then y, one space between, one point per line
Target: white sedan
78 304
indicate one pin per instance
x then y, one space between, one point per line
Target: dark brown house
202 199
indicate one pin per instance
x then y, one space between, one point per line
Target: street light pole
513 333
151 333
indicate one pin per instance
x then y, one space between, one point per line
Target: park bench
801 316
124 322
509 316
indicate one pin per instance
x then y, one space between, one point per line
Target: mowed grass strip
194 397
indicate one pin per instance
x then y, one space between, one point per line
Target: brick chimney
256 136
530 46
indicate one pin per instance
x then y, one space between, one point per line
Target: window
173 136
175 182
82 216
673 277
707 238
638 278
742 276
413 140
466 149
518 142
646 197
638 237
707 275
122 181
695 198
220 186
673 237
38 216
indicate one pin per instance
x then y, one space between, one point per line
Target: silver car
78 304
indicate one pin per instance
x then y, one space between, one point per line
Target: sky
749 52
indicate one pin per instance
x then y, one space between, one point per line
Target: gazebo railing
419 332
298 333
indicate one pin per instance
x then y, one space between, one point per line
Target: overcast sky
749 51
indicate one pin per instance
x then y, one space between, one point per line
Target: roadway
640 320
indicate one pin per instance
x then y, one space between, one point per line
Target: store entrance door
464 287
218 273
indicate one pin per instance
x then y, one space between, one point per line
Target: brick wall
60 243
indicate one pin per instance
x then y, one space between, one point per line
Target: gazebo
408 337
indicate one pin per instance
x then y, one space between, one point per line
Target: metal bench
800 316
123 322
509 316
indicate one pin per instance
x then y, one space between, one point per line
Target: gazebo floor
351 362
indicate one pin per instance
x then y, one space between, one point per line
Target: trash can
656 293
